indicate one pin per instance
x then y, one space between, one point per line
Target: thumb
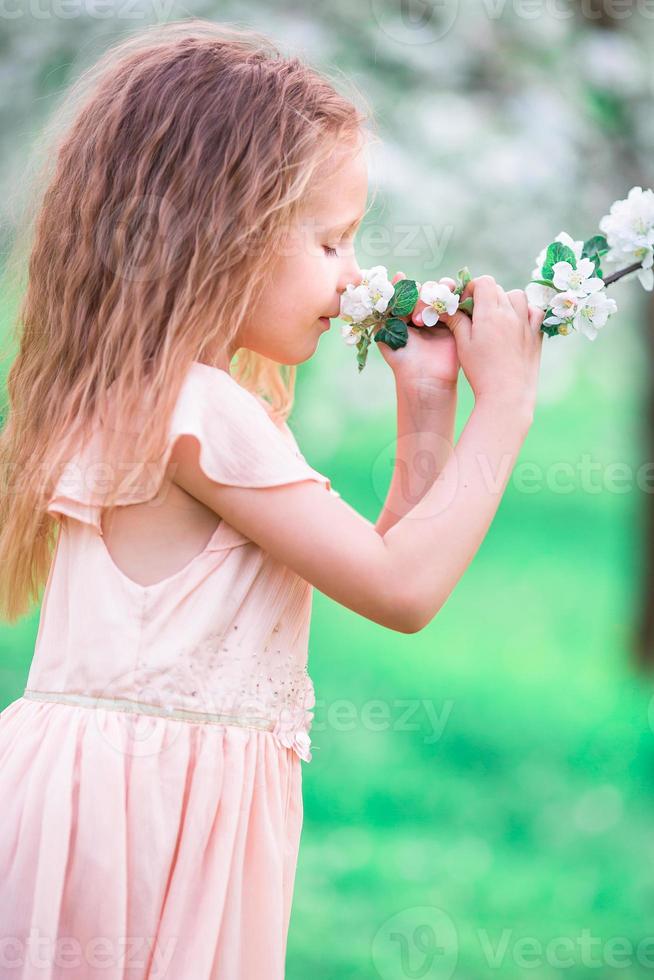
459 323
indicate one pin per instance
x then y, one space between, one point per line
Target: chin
304 349
300 360
299 356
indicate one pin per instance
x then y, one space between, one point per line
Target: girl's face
312 268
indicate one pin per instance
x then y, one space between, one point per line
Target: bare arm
432 546
426 413
399 579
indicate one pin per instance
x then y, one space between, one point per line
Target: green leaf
551 329
597 264
597 245
404 297
544 282
557 252
362 351
594 248
467 305
462 279
394 333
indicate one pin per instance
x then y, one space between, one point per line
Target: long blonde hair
170 172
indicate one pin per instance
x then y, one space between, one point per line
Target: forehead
339 196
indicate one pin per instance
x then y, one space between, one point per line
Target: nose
350 273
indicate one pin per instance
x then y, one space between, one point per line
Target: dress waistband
146 708
288 733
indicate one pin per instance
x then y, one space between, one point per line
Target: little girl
199 207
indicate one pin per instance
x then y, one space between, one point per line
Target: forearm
426 414
430 547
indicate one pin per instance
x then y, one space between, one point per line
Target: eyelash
330 250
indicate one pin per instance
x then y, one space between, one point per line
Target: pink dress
150 775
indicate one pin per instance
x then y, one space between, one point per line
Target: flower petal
429 316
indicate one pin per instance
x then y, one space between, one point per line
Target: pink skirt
140 846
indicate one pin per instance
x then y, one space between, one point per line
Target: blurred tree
615 111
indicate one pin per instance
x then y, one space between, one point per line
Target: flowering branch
622 272
375 309
567 283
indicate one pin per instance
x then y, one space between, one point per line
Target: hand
430 354
500 347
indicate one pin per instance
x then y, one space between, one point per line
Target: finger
536 317
503 299
397 277
518 299
483 290
416 314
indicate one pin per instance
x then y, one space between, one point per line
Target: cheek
305 284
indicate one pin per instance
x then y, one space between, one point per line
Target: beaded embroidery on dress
261 671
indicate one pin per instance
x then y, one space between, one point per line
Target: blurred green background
480 797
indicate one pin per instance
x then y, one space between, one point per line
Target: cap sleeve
240 445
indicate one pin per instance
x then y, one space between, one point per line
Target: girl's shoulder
245 413
240 445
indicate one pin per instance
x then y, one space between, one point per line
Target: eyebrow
348 227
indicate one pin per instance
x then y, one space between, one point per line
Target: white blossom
356 303
645 273
581 281
584 313
439 299
593 312
565 305
351 333
538 295
370 296
629 230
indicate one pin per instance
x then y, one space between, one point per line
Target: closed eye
330 250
